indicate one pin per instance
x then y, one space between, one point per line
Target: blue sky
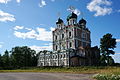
30 22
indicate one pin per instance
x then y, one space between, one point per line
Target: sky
31 22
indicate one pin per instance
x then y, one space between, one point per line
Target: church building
71 45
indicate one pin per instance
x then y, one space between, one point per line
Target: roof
59 21
82 21
72 15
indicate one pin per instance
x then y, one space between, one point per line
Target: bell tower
72 19
59 23
82 23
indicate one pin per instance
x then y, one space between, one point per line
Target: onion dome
59 21
82 21
72 15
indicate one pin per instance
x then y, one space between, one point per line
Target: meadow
82 70
101 73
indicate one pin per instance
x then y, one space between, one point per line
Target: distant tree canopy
107 45
18 57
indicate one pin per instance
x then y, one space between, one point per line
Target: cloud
18 27
21 27
119 10
31 34
41 48
52 29
42 3
4 1
75 10
28 29
1 46
100 7
18 1
44 35
38 34
117 40
6 17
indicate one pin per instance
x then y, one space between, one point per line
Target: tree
6 60
23 57
107 45
17 57
1 62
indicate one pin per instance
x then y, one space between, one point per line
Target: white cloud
75 10
119 10
6 16
117 40
42 3
100 7
18 1
41 48
28 29
18 27
4 1
38 34
21 27
1 46
44 35
52 29
31 34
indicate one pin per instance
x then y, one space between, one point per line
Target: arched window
59 26
70 34
54 64
70 44
41 64
61 56
56 47
56 57
56 37
62 36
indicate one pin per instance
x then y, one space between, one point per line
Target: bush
106 77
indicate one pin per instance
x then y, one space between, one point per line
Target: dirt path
44 76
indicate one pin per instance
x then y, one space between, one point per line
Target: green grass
106 77
84 70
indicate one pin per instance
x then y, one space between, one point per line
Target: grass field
84 70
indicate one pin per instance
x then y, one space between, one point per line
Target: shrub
106 77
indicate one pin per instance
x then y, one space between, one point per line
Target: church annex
71 45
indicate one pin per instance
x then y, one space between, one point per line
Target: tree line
18 57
